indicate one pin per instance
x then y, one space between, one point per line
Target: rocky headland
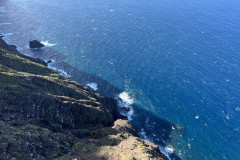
44 115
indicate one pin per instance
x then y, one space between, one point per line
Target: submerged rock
35 44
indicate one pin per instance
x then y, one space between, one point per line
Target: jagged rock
124 126
35 44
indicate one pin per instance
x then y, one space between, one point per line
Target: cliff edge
44 116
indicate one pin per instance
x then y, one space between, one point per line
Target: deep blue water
180 61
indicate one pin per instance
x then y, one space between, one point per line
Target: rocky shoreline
44 115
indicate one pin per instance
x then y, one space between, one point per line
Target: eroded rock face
35 44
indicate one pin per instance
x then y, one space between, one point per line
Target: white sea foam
5 36
92 86
228 116
166 151
126 102
169 149
95 29
124 96
143 134
128 114
111 10
62 72
46 43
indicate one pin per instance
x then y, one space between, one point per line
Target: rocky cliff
44 115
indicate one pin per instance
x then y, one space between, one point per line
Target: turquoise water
178 60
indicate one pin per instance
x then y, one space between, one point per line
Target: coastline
125 103
180 70
64 69
128 129
71 72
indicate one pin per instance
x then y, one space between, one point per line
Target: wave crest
125 102
46 43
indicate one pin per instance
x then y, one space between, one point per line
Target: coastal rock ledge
45 116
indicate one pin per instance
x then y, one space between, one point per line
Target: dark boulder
35 44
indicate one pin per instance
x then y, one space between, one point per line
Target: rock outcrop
35 44
44 116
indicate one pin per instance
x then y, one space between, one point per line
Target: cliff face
44 115
30 90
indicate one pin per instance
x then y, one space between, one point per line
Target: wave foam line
125 102
93 86
60 71
5 36
46 43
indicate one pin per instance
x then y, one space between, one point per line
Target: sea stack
35 44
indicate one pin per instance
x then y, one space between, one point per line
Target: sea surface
176 63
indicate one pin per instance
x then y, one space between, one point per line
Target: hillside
44 115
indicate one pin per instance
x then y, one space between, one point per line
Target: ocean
176 64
